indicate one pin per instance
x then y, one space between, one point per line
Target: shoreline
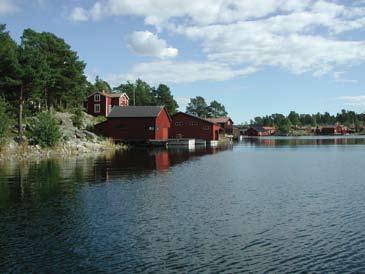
24 152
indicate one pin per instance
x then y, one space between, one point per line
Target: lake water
275 205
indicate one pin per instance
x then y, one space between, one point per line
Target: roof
108 94
220 120
196 117
135 111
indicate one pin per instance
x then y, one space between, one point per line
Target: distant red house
136 124
224 122
333 130
189 126
101 103
260 131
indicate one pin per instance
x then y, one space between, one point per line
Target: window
206 128
179 124
151 128
228 123
194 123
97 97
110 108
97 108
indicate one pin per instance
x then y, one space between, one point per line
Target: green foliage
5 120
77 118
199 107
163 97
100 85
45 130
216 110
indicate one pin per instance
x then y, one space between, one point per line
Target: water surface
264 205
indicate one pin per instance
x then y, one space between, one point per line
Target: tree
216 110
4 118
294 118
100 85
45 130
140 90
163 97
197 107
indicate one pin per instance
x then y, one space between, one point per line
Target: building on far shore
332 130
189 126
136 124
260 131
100 103
224 122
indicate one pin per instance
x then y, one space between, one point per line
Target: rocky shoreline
75 142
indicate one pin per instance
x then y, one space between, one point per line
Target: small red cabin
101 103
188 126
224 122
136 124
333 130
260 131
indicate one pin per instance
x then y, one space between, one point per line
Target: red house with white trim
100 103
136 124
189 126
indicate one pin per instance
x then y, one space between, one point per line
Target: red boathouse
224 122
101 103
136 124
189 126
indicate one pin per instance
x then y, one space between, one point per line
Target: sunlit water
263 205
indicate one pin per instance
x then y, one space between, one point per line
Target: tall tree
100 85
216 110
164 97
294 118
197 107
140 91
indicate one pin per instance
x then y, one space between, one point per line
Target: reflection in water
249 208
302 141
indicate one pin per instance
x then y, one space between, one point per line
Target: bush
77 118
45 130
4 120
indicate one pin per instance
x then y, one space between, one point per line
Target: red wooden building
136 124
189 126
333 130
224 122
260 131
101 103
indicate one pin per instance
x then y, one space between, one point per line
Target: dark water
264 205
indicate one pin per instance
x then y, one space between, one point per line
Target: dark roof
219 120
135 111
196 117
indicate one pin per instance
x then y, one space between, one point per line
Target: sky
256 57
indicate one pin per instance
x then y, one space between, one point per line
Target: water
278 205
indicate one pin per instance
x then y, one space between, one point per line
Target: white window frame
97 98
97 108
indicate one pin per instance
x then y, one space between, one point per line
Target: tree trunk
20 115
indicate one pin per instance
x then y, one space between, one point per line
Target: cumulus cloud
148 44
297 35
8 7
179 72
79 15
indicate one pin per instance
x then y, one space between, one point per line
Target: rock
89 135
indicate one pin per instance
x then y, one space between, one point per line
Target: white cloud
179 72
8 7
355 101
338 77
148 44
297 35
79 15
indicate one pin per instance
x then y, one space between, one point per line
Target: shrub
77 118
45 130
4 120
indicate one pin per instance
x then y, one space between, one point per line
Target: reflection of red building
162 161
189 126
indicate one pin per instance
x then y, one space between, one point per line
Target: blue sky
256 57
